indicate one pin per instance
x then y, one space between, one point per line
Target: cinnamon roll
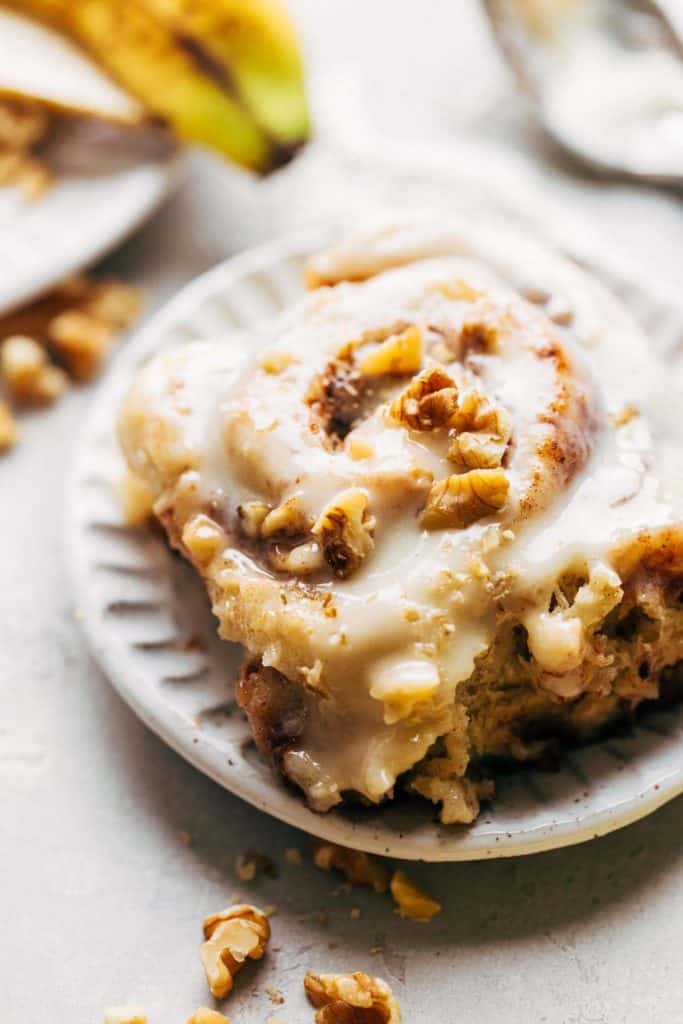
440 508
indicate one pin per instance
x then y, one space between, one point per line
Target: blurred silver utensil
605 77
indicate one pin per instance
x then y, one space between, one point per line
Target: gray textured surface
101 899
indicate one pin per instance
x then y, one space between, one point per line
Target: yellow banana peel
227 74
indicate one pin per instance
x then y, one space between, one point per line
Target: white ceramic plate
149 625
73 225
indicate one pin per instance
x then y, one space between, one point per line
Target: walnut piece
411 901
287 520
481 431
27 372
9 431
203 539
251 516
351 999
206 1016
344 530
399 356
429 401
232 936
81 340
462 499
124 1015
357 867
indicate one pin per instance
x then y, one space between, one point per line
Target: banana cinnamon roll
439 508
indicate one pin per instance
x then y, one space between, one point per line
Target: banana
224 73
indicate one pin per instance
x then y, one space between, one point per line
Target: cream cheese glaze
300 483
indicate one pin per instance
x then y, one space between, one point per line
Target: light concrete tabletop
101 894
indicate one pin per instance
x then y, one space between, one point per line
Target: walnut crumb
351 999
206 1016
232 936
400 355
410 900
124 1015
357 867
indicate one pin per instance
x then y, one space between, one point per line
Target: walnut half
481 431
232 936
428 403
351 999
462 499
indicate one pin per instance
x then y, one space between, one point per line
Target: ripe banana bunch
224 73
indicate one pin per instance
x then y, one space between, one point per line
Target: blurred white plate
148 622
73 225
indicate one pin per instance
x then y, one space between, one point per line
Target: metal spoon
606 79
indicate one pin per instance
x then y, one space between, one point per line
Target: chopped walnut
78 320
462 499
287 520
9 431
251 516
357 867
124 1015
206 1016
429 402
302 560
351 999
358 448
82 341
410 899
399 356
344 530
28 373
232 936
203 539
